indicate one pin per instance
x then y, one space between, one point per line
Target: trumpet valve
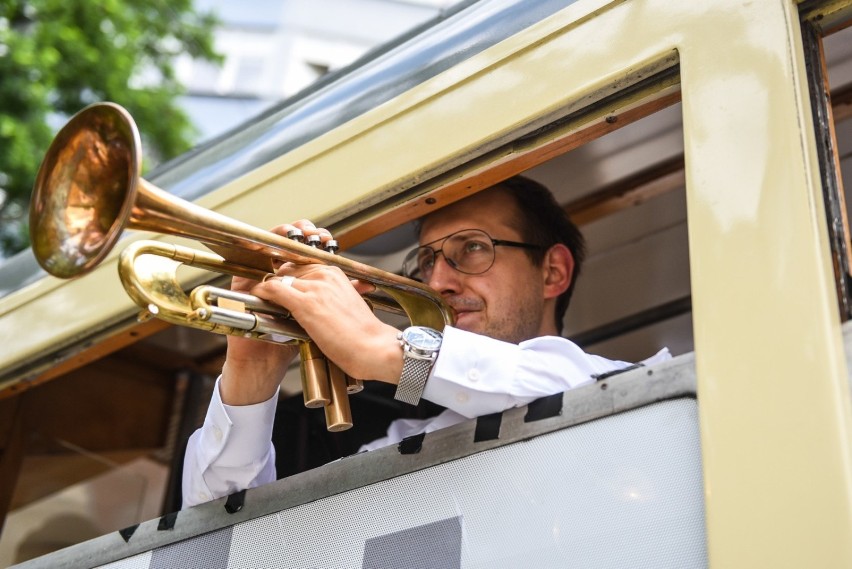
296 235
338 414
316 387
332 246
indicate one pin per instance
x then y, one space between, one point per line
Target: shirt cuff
463 377
242 433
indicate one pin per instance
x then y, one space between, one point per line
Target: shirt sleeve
475 375
231 451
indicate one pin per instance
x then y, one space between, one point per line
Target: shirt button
473 375
217 434
461 397
203 496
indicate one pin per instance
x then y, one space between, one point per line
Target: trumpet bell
85 190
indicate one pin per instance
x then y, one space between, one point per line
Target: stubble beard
517 323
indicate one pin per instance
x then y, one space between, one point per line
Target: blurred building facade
275 48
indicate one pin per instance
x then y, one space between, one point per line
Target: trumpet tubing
89 189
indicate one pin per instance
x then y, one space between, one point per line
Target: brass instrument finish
89 189
85 188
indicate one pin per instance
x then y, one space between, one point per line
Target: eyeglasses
469 251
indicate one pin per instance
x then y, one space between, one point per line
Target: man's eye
474 247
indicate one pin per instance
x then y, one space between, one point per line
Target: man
505 259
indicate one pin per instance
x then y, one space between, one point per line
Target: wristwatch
420 347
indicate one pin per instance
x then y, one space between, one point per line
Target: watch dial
423 338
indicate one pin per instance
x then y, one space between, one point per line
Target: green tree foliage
57 56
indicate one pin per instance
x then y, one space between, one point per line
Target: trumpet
89 189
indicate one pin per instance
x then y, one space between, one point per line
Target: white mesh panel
624 491
141 561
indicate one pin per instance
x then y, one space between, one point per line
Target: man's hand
254 369
328 305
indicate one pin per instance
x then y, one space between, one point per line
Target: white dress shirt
474 375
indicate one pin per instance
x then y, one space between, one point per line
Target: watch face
422 338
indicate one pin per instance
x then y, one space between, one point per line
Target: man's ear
557 270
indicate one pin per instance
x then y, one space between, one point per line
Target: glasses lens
418 263
470 251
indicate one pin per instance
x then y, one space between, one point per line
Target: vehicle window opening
826 58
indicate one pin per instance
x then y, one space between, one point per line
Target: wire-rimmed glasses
469 251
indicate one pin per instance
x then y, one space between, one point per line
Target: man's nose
444 278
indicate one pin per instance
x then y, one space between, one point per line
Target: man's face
505 302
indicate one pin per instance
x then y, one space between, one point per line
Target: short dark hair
544 222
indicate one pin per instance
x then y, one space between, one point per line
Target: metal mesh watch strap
415 372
